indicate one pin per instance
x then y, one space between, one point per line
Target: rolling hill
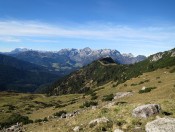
20 76
104 70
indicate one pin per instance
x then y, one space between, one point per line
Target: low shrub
133 84
146 90
125 85
109 97
15 118
89 103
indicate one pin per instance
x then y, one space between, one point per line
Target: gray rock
157 57
63 115
77 129
173 54
98 121
122 94
161 125
69 115
145 111
118 130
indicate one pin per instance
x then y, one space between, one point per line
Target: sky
129 26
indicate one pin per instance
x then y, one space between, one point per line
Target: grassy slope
99 73
164 95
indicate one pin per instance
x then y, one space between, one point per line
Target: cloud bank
14 31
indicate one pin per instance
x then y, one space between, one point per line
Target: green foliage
125 85
38 120
136 122
109 97
94 96
133 84
41 120
104 110
120 122
15 118
88 104
146 90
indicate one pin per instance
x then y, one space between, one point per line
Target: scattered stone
118 130
98 121
15 128
94 107
63 115
143 88
77 129
109 105
161 125
138 129
146 111
122 94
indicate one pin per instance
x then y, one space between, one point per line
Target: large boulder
99 121
161 125
146 111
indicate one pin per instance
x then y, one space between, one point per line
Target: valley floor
119 111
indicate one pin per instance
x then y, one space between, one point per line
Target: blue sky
136 26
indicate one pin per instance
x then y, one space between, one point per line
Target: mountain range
65 61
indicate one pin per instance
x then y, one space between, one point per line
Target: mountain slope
21 76
97 73
67 60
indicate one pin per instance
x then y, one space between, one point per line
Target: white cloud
9 39
13 31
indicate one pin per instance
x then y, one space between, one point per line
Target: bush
14 118
167 113
120 122
88 104
133 84
45 119
58 114
146 90
159 82
94 96
104 110
38 120
125 85
109 97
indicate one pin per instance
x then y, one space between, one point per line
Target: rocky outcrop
161 125
157 57
146 111
74 113
173 54
99 121
122 94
